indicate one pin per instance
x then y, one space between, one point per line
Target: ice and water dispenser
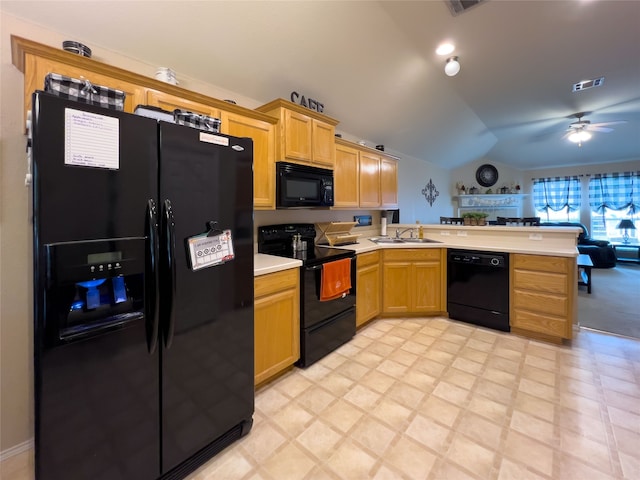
92 287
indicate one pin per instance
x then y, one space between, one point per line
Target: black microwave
303 186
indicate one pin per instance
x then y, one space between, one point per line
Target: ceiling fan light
452 67
579 136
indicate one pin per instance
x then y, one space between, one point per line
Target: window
614 197
557 199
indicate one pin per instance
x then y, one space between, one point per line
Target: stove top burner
276 240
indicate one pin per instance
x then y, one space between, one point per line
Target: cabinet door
169 102
263 135
389 182
369 180
396 287
297 136
277 323
426 287
134 94
323 144
345 177
367 293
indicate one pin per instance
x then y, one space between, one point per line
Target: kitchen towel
336 279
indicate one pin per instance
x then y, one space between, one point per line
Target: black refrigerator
143 293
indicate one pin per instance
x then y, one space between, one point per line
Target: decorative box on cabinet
368 287
412 280
277 323
304 136
543 293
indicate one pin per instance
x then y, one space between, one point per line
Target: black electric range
324 325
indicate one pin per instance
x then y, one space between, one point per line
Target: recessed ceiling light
445 48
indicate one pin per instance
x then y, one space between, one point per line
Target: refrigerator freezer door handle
152 313
170 242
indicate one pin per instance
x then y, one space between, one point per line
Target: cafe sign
310 103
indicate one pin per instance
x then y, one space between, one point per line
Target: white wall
466 175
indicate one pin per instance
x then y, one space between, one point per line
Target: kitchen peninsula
542 270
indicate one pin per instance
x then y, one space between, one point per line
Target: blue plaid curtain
557 193
615 191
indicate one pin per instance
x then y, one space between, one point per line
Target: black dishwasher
478 288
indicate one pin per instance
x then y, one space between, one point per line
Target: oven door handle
317 267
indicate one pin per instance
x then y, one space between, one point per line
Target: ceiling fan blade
604 124
594 128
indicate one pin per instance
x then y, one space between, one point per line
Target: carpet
614 303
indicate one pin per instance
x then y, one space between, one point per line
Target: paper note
91 140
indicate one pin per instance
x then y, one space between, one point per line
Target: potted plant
475 218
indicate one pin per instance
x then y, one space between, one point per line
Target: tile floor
438 399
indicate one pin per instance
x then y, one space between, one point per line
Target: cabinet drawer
369 258
273 282
412 254
542 263
540 281
536 322
541 302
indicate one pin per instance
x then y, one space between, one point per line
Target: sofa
600 251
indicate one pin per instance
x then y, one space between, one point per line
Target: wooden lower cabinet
277 323
367 287
412 281
543 295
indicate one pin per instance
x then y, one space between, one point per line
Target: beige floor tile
362 397
533 427
373 435
535 406
466 452
440 410
529 452
510 470
377 381
490 409
434 399
351 461
319 439
409 458
630 465
342 415
288 463
480 430
429 433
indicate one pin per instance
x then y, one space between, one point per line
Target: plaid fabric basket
84 91
201 122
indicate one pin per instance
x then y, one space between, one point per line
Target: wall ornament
430 192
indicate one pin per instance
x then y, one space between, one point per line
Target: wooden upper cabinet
303 136
346 175
323 144
389 182
369 180
264 172
297 137
169 102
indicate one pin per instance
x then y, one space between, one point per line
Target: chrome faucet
400 232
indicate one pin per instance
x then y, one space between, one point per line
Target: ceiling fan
580 131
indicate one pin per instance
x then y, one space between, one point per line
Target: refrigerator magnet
208 251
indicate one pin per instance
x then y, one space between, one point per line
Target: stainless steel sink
386 240
402 240
419 240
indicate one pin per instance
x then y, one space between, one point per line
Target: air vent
586 84
459 6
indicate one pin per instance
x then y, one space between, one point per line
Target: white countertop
263 264
366 245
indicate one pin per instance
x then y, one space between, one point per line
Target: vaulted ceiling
373 65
